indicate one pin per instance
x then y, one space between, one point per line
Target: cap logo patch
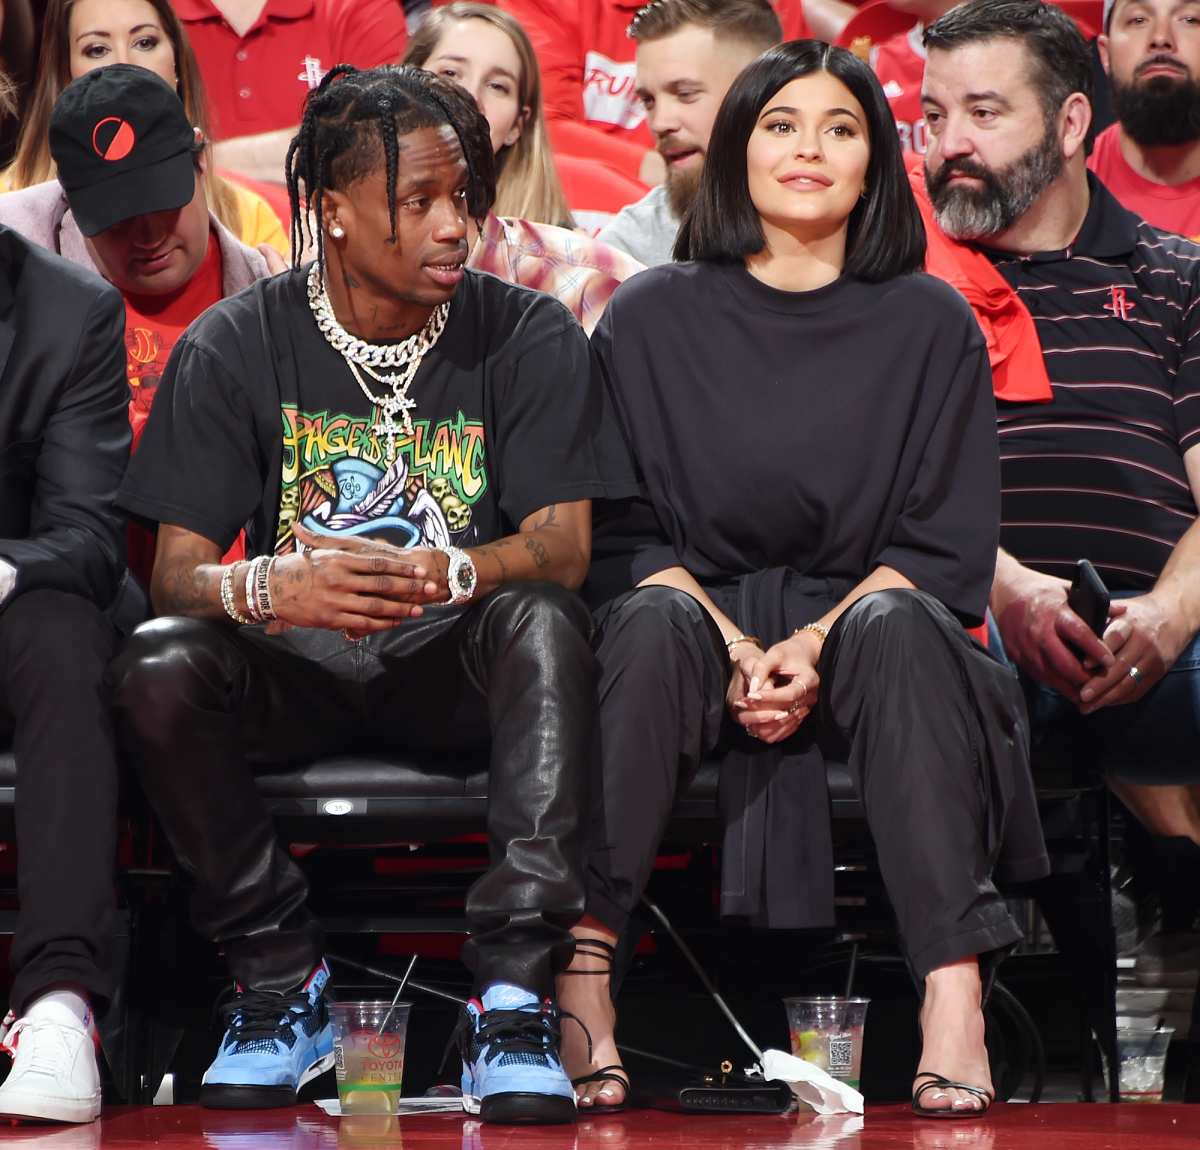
113 139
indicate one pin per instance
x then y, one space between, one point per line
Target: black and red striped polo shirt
1099 472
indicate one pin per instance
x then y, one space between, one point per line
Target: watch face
463 578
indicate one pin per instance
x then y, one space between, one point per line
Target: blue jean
1155 741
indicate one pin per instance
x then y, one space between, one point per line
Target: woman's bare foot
589 998
953 1032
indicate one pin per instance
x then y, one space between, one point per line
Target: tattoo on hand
538 550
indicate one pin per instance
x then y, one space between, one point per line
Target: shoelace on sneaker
259 1014
522 1031
40 1061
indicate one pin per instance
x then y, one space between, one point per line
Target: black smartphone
1088 597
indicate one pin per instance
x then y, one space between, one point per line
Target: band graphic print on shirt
338 481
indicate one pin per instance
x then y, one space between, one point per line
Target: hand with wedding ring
782 689
1146 636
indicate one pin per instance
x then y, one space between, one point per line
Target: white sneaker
55 1076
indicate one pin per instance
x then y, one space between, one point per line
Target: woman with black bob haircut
813 424
884 234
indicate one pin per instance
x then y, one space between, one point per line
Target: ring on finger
1134 674
796 706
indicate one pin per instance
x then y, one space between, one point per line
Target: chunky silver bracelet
249 591
227 601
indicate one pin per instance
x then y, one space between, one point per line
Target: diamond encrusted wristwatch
460 574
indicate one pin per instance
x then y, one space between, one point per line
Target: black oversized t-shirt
259 421
829 432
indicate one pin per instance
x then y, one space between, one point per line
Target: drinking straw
390 977
850 972
399 991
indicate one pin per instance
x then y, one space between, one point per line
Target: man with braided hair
413 448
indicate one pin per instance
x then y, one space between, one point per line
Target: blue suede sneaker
511 1069
274 1044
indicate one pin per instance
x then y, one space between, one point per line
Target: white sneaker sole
325 1062
48 1107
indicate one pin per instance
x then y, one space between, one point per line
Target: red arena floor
1060 1126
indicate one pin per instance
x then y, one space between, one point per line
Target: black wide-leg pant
893 704
202 705
54 648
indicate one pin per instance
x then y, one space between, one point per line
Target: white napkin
810 1084
333 1106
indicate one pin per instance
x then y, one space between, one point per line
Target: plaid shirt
580 272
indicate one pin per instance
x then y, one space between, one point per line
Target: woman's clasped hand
772 692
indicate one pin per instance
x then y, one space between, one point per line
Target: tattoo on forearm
551 517
537 549
183 588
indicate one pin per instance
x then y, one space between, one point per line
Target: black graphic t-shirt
260 423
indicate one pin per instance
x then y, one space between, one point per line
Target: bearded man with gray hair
1109 471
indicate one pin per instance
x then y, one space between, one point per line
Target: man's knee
56 630
48 616
168 666
547 608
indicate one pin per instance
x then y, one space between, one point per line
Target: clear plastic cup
1143 1058
828 1032
368 1048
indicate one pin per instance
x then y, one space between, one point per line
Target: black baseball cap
123 146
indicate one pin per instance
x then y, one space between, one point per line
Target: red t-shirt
1172 208
153 324
258 82
899 63
589 74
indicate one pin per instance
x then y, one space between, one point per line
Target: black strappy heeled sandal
940 1082
598 948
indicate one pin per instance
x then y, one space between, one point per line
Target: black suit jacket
64 423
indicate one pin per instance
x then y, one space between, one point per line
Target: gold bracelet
816 628
731 643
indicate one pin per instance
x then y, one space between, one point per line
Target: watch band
460 575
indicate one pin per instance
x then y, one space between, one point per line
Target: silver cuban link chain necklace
358 354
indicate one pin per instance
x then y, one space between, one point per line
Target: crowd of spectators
614 385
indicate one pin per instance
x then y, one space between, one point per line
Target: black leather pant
202 704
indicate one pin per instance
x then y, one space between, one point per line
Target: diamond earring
337 231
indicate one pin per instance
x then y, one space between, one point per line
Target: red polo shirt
589 74
258 82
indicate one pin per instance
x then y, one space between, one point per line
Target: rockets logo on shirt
610 92
313 73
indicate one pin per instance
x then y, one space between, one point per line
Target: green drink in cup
368 1048
828 1032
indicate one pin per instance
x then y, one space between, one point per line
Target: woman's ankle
955 979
